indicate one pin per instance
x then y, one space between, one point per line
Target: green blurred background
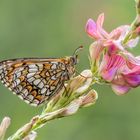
48 28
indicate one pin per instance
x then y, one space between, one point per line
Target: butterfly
37 80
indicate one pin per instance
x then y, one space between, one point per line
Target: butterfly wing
34 80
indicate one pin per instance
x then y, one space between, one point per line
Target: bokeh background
48 28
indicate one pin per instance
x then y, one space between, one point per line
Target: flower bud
89 99
3 126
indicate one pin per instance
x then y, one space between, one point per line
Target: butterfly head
74 57
72 61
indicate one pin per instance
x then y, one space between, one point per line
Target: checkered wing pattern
34 80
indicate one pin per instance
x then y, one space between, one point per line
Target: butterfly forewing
34 80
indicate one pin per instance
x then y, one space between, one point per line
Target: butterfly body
36 80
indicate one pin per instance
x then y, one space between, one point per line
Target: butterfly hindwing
33 80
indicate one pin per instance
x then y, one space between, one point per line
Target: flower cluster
110 58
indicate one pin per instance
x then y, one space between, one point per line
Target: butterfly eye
74 60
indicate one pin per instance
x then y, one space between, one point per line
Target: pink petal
100 20
115 34
103 34
112 48
119 89
109 75
91 28
132 61
110 66
120 32
95 50
118 45
133 79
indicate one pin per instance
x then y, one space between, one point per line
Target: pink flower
95 30
108 54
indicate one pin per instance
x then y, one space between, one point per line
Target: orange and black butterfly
36 80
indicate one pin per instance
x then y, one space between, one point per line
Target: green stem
136 23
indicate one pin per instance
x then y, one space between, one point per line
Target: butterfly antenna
77 50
